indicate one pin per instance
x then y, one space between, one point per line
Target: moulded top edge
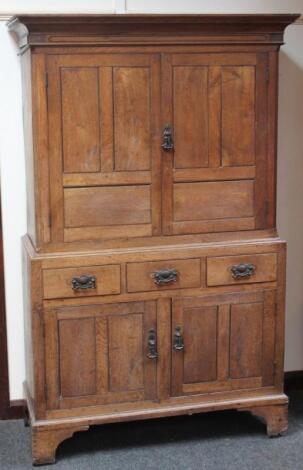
41 29
154 18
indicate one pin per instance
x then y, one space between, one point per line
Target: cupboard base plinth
48 434
275 418
46 439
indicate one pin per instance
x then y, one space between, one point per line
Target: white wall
290 155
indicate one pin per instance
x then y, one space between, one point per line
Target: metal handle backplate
242 271
165 276
178 339
84 282
167 144
152 344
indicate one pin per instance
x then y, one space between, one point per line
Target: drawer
242 269
81 281
159 275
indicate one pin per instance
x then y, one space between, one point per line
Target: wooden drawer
158 275
228 270
71 282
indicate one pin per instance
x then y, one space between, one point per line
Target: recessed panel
246 340
80 119
190 117
132 139
125 343
213 200
200 344
238 116
77 357
111 205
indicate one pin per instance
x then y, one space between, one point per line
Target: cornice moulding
7 16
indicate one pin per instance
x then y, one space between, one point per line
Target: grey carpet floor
213 441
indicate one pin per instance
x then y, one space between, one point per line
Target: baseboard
293 381
15 410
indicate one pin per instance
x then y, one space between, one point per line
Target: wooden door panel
215 178
190 120
98 355
104 118
228 342
246 340
125 345
112 205
80 117
77 365
213 200
200 357
238 116
132 118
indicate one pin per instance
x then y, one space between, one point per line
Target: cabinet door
99 354
104 146
215 178
223 344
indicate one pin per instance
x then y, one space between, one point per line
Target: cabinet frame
42 39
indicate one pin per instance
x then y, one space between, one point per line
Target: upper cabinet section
148 126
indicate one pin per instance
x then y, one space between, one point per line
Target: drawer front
242 269
158 275
82 281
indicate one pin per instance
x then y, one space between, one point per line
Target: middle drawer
158 275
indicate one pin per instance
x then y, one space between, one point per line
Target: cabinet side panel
28 323
34 335
28 144
40 156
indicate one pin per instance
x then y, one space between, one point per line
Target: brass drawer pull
242 271
165 276
152 344
178 339
84 282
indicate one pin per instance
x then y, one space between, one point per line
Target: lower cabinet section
100 354
108 353
114 337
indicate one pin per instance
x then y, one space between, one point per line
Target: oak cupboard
154 276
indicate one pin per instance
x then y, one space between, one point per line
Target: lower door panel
99 354
223 343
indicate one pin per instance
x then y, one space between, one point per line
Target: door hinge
46 80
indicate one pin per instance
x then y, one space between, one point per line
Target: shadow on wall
290 200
